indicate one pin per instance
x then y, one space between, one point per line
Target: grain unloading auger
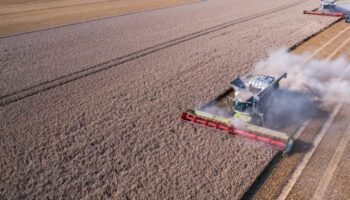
240 111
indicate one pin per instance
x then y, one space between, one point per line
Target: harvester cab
251 94
327 5
245 103
347 17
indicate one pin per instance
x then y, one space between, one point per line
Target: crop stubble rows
17 17
310 177
280 174
117 133
26 92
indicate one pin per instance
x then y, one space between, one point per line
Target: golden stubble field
17 16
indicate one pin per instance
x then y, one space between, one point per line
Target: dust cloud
326 80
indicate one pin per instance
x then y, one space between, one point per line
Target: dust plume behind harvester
241 110
331 8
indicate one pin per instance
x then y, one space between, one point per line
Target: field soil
116 131
29 15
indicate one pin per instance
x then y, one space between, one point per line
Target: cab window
239 106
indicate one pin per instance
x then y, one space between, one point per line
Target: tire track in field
300 168
47 85
296 174
332 166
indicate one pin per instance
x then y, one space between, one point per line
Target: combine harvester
330 8
240 111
